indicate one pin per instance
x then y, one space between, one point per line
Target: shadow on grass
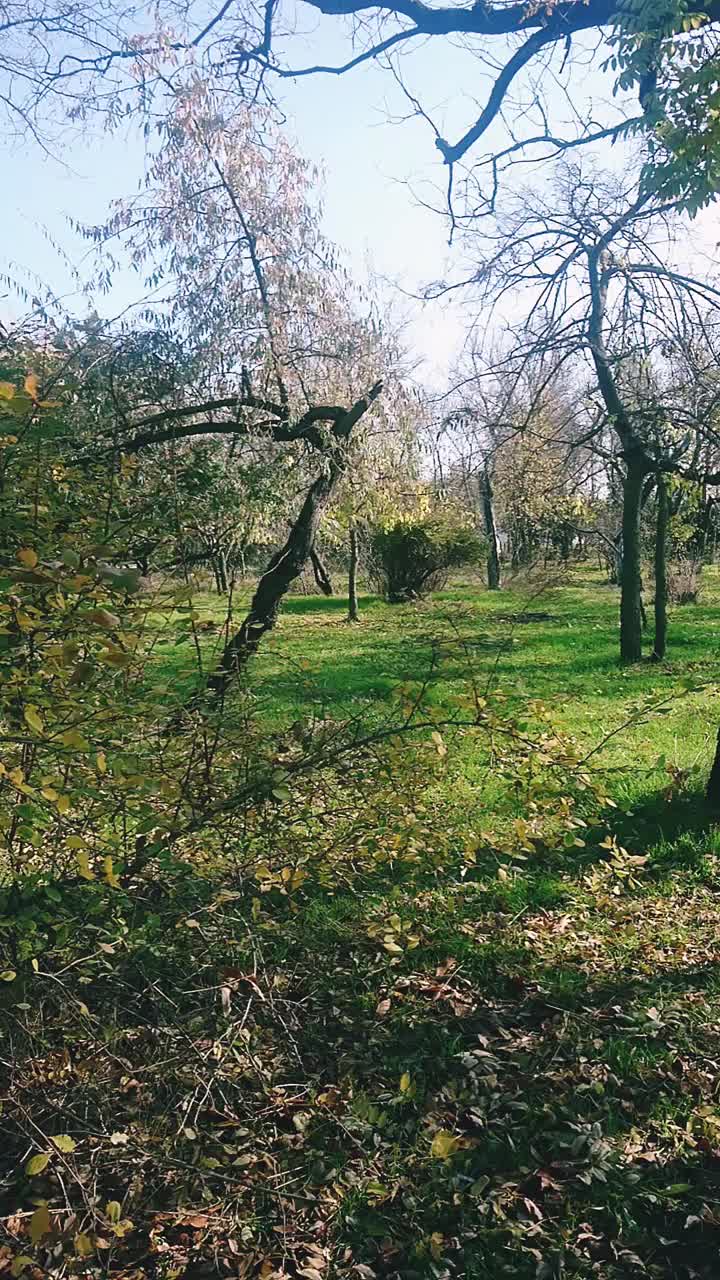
300 606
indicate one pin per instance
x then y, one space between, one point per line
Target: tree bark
616 564
288 563
712 793
631 579
661 587
493 556
353 610
320 572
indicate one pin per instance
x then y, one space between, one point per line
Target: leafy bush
684 582
411 558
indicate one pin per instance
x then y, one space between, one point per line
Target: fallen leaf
39 1224
63 1142
444 1144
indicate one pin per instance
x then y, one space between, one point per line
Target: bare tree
589 259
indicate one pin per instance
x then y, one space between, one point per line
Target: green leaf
20 1264
8 975
37 1163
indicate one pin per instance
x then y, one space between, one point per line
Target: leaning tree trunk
631 578
493 556
320 572
288 563
712 793
353 610
661 586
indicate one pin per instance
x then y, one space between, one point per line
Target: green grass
560 1022
314 663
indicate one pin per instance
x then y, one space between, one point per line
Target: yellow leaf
110 876
27 557
63 804
36 1164
7 391
63 1142
8 975
39 1224
444 1144
405 1082
393 948
83 861
31 386
83 1245
33 718
101 762
113 1209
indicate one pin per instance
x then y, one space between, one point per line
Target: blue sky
375 172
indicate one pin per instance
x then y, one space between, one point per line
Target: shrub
684 582
411 558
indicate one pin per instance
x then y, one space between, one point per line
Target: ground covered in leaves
431 1066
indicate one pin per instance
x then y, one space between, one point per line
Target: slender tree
661 584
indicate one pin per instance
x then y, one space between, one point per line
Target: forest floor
454 1064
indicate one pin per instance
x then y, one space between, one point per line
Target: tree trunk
320 573
353 611
288 563
712 794
661 589
493 556
615 560
631 577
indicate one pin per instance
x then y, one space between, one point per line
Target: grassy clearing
524 1084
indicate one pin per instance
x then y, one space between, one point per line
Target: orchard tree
513 445
101 55
225 234
383 480
589 262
